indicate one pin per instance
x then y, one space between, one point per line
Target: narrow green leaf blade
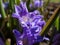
50 22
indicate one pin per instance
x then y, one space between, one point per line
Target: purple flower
24 7
41 23
20 10
46 38
36 4
31 29
31 38
31 22
5 5
36 12
16 32
1 41
18 37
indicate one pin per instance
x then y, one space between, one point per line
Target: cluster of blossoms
31 22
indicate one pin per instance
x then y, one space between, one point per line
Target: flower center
25 18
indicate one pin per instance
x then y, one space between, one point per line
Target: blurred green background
55 1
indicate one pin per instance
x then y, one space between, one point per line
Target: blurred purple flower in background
31 22
1 41
5 5
56 43
56 39
36 4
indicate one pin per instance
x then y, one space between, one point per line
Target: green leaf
50 22
57 23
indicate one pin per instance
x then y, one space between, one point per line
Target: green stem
28 2
2 10
11 6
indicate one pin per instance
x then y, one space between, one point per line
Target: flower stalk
2 10
50 22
